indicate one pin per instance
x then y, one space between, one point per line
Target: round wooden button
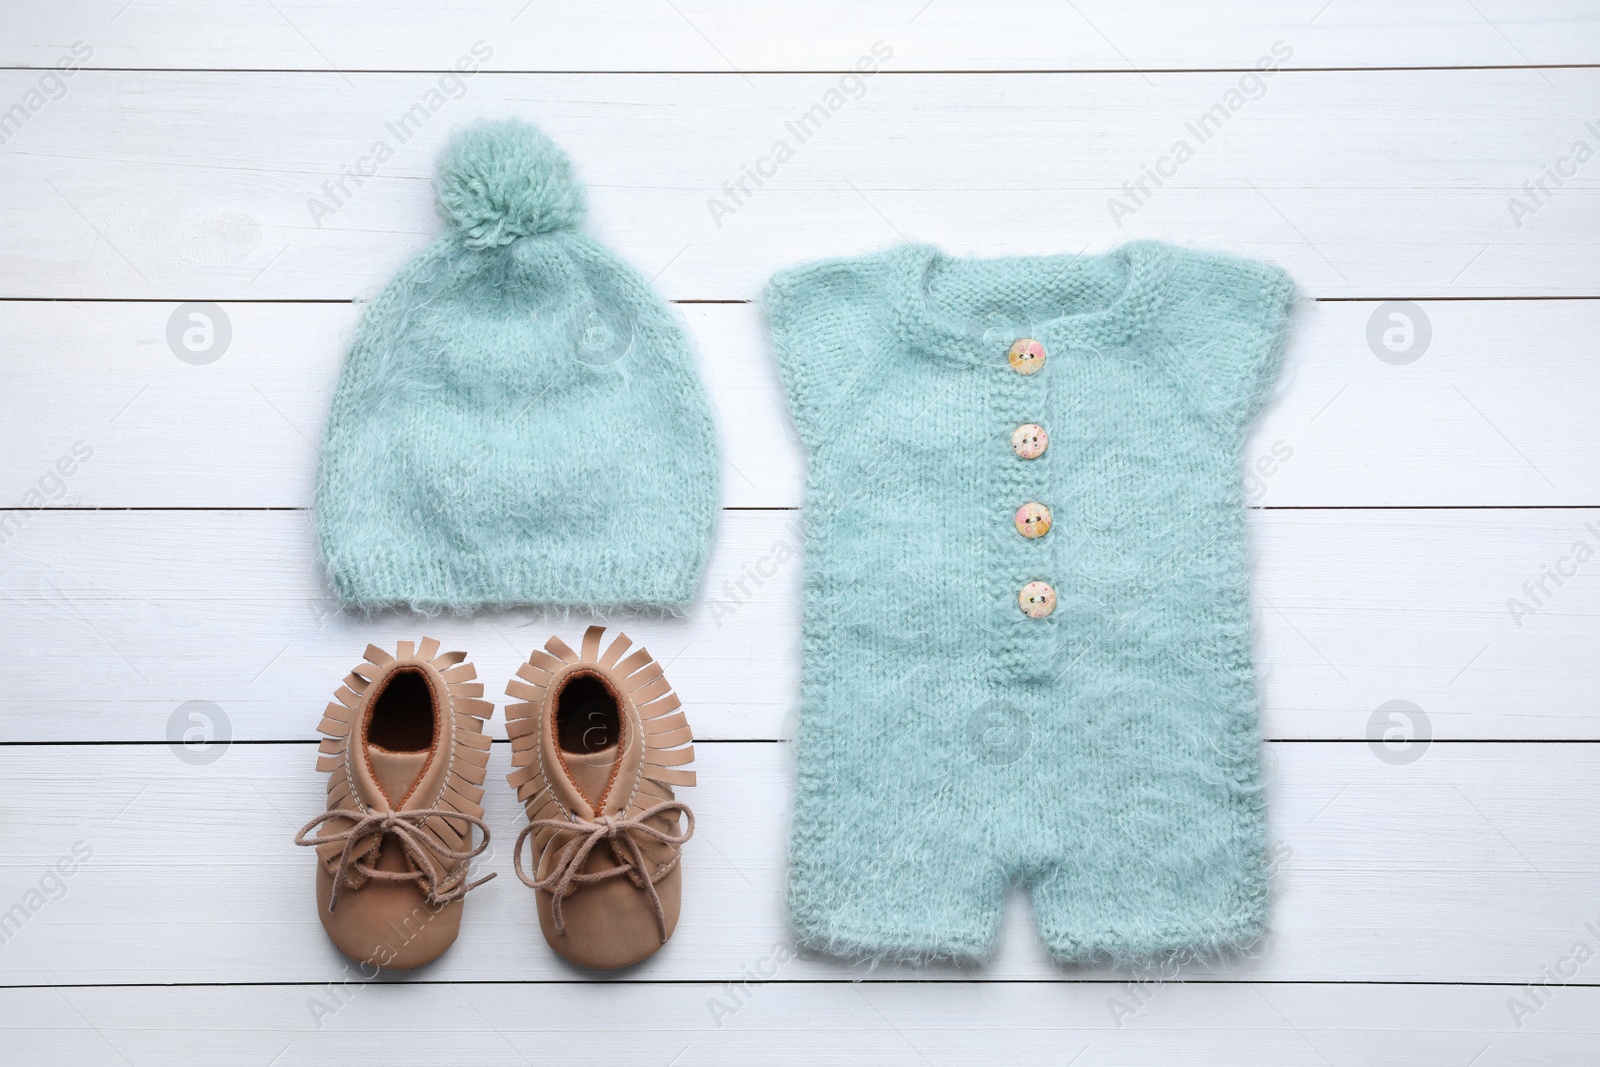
1033 520
1029 440
1026 356
1037 600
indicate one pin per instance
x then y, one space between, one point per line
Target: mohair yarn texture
1105 756
519 421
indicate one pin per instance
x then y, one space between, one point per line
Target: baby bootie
597 744
405 753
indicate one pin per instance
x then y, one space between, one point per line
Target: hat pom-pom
502 180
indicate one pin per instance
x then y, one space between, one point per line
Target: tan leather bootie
405 753
598 742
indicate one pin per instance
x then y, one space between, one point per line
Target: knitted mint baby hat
519 421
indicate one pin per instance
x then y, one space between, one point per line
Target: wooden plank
212 185
401 1023
707 36
193 878
244 431
1472 421
234 612
123 617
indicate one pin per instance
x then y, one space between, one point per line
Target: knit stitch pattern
519 421
1106 756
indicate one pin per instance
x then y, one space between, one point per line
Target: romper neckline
1136 271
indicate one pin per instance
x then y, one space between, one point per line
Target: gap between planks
823 71
693 301
760 508
590 980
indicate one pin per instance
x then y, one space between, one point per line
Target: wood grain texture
124 616
852 1025
696 35
185 169
1384 184
243 431
194 877
1473 421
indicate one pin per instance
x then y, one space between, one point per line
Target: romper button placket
1029 441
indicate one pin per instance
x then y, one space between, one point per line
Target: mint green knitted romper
989 698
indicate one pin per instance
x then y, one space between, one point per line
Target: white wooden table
1425 507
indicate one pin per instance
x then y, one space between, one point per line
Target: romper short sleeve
1227 321
825 334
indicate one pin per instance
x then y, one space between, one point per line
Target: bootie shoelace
567 875
424 852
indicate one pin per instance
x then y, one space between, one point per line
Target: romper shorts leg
894 855
911 896
1156 842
